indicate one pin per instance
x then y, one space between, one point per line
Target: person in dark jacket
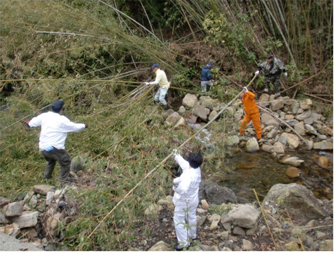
206 78
272 69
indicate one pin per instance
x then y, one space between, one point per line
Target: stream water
260 171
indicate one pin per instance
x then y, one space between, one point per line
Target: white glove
245 88
286 74
175 152
257 72
147 83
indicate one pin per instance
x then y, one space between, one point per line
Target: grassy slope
122 143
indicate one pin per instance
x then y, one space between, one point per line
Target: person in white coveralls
185 199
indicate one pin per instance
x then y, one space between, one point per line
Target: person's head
270 58
155 67
195 160
209 65
57 106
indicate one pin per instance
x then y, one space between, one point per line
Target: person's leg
162 96
244 123
203 84
267 84
156 97
50 164
257 124
64 160
192 221
180 226
276 84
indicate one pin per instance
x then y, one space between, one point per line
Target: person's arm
35 122
68 126
157 79
182 162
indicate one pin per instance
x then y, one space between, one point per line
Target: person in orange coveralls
252 113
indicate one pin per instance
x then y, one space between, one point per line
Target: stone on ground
190 100
160 246
43 189
296 198
252 145
27 219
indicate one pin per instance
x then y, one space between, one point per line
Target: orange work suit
252 114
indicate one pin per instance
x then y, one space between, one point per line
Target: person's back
249 103
206 74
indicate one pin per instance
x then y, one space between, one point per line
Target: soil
162 229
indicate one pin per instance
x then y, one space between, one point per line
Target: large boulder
245 216
27 219
292 172
291 160
160 246
305 104
252 145
303 115
207 102
269 120
323 145
291 139
77 164
299 128
264 100
326 130
296 198
295 106
181 123
173 119
215 194
277 104
232 140
43 189
212 115
13 209
201 112
190 100
3 202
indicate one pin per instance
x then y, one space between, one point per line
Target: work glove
147 83
175 152
257 72
246 89
286 74
26 123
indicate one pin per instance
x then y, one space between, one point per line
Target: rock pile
226 226
286 124
37 215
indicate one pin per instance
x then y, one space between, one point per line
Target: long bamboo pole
164 160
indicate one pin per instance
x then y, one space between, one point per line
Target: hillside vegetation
95 54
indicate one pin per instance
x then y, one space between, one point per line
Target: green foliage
231 35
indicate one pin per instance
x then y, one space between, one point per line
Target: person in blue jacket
206 78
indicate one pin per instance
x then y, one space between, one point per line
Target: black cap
269 56
57 105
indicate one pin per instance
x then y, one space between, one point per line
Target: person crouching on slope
186 198
252 113
54 129
160 79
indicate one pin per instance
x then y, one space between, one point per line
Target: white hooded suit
186 200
